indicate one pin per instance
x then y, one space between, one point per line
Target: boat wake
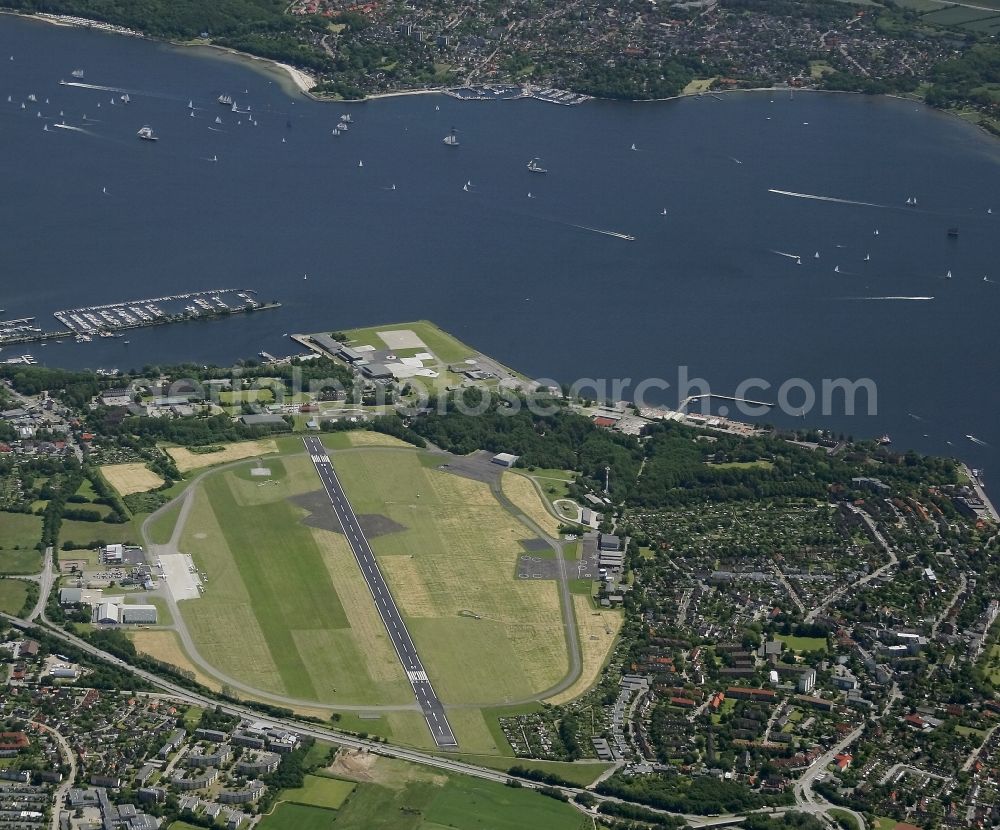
782 253
978 441
616 234
834 199
889 298
73 129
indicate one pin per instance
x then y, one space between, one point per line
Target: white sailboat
836 269
868 257
451 140
146 134
361 163
535 167
663 212
218 119
191 104
816 255
948 275
633 147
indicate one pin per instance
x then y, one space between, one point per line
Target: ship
885 439
535 167
225 100
77 73
451 139
346 118
146 134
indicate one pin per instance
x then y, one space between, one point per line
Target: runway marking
401 640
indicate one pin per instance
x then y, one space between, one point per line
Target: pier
113 319
687 401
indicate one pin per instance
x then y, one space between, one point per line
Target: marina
111 319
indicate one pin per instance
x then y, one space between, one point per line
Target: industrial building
505 459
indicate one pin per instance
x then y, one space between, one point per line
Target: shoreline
303 82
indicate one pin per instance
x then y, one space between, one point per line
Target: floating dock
112 319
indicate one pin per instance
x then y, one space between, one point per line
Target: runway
432 708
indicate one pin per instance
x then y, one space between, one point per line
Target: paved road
59 799
430 705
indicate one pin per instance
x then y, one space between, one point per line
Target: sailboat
451 139
868 257
361 163
393 187
437 108
32 98
191 105
816 255
104 190
798 260
76 73
218 119
535 167
215 158
305 276
334 131
283 141
836 269
948 275
126 98
146 134
663 212
529 195
45 128
467 185
876 231
634 147
191 114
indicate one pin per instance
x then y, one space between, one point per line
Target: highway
430 705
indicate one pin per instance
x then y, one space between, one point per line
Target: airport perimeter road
432 708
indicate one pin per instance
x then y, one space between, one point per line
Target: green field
284 591
161 529
20 561
329 793
13 594
446 348
19 530
299 817
455 558
420 800
803 644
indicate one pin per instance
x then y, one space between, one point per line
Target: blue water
513 276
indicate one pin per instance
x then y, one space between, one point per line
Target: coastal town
829 650
636 50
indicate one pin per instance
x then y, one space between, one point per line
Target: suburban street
430 705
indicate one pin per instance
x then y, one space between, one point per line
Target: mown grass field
456 558
524 496
130 478
13 594
281 589
393 795
442 345
20 562
186 460
19 530
329 793
803 644
288 816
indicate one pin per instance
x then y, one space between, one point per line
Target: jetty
113 319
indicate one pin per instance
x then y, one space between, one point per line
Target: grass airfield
283 585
